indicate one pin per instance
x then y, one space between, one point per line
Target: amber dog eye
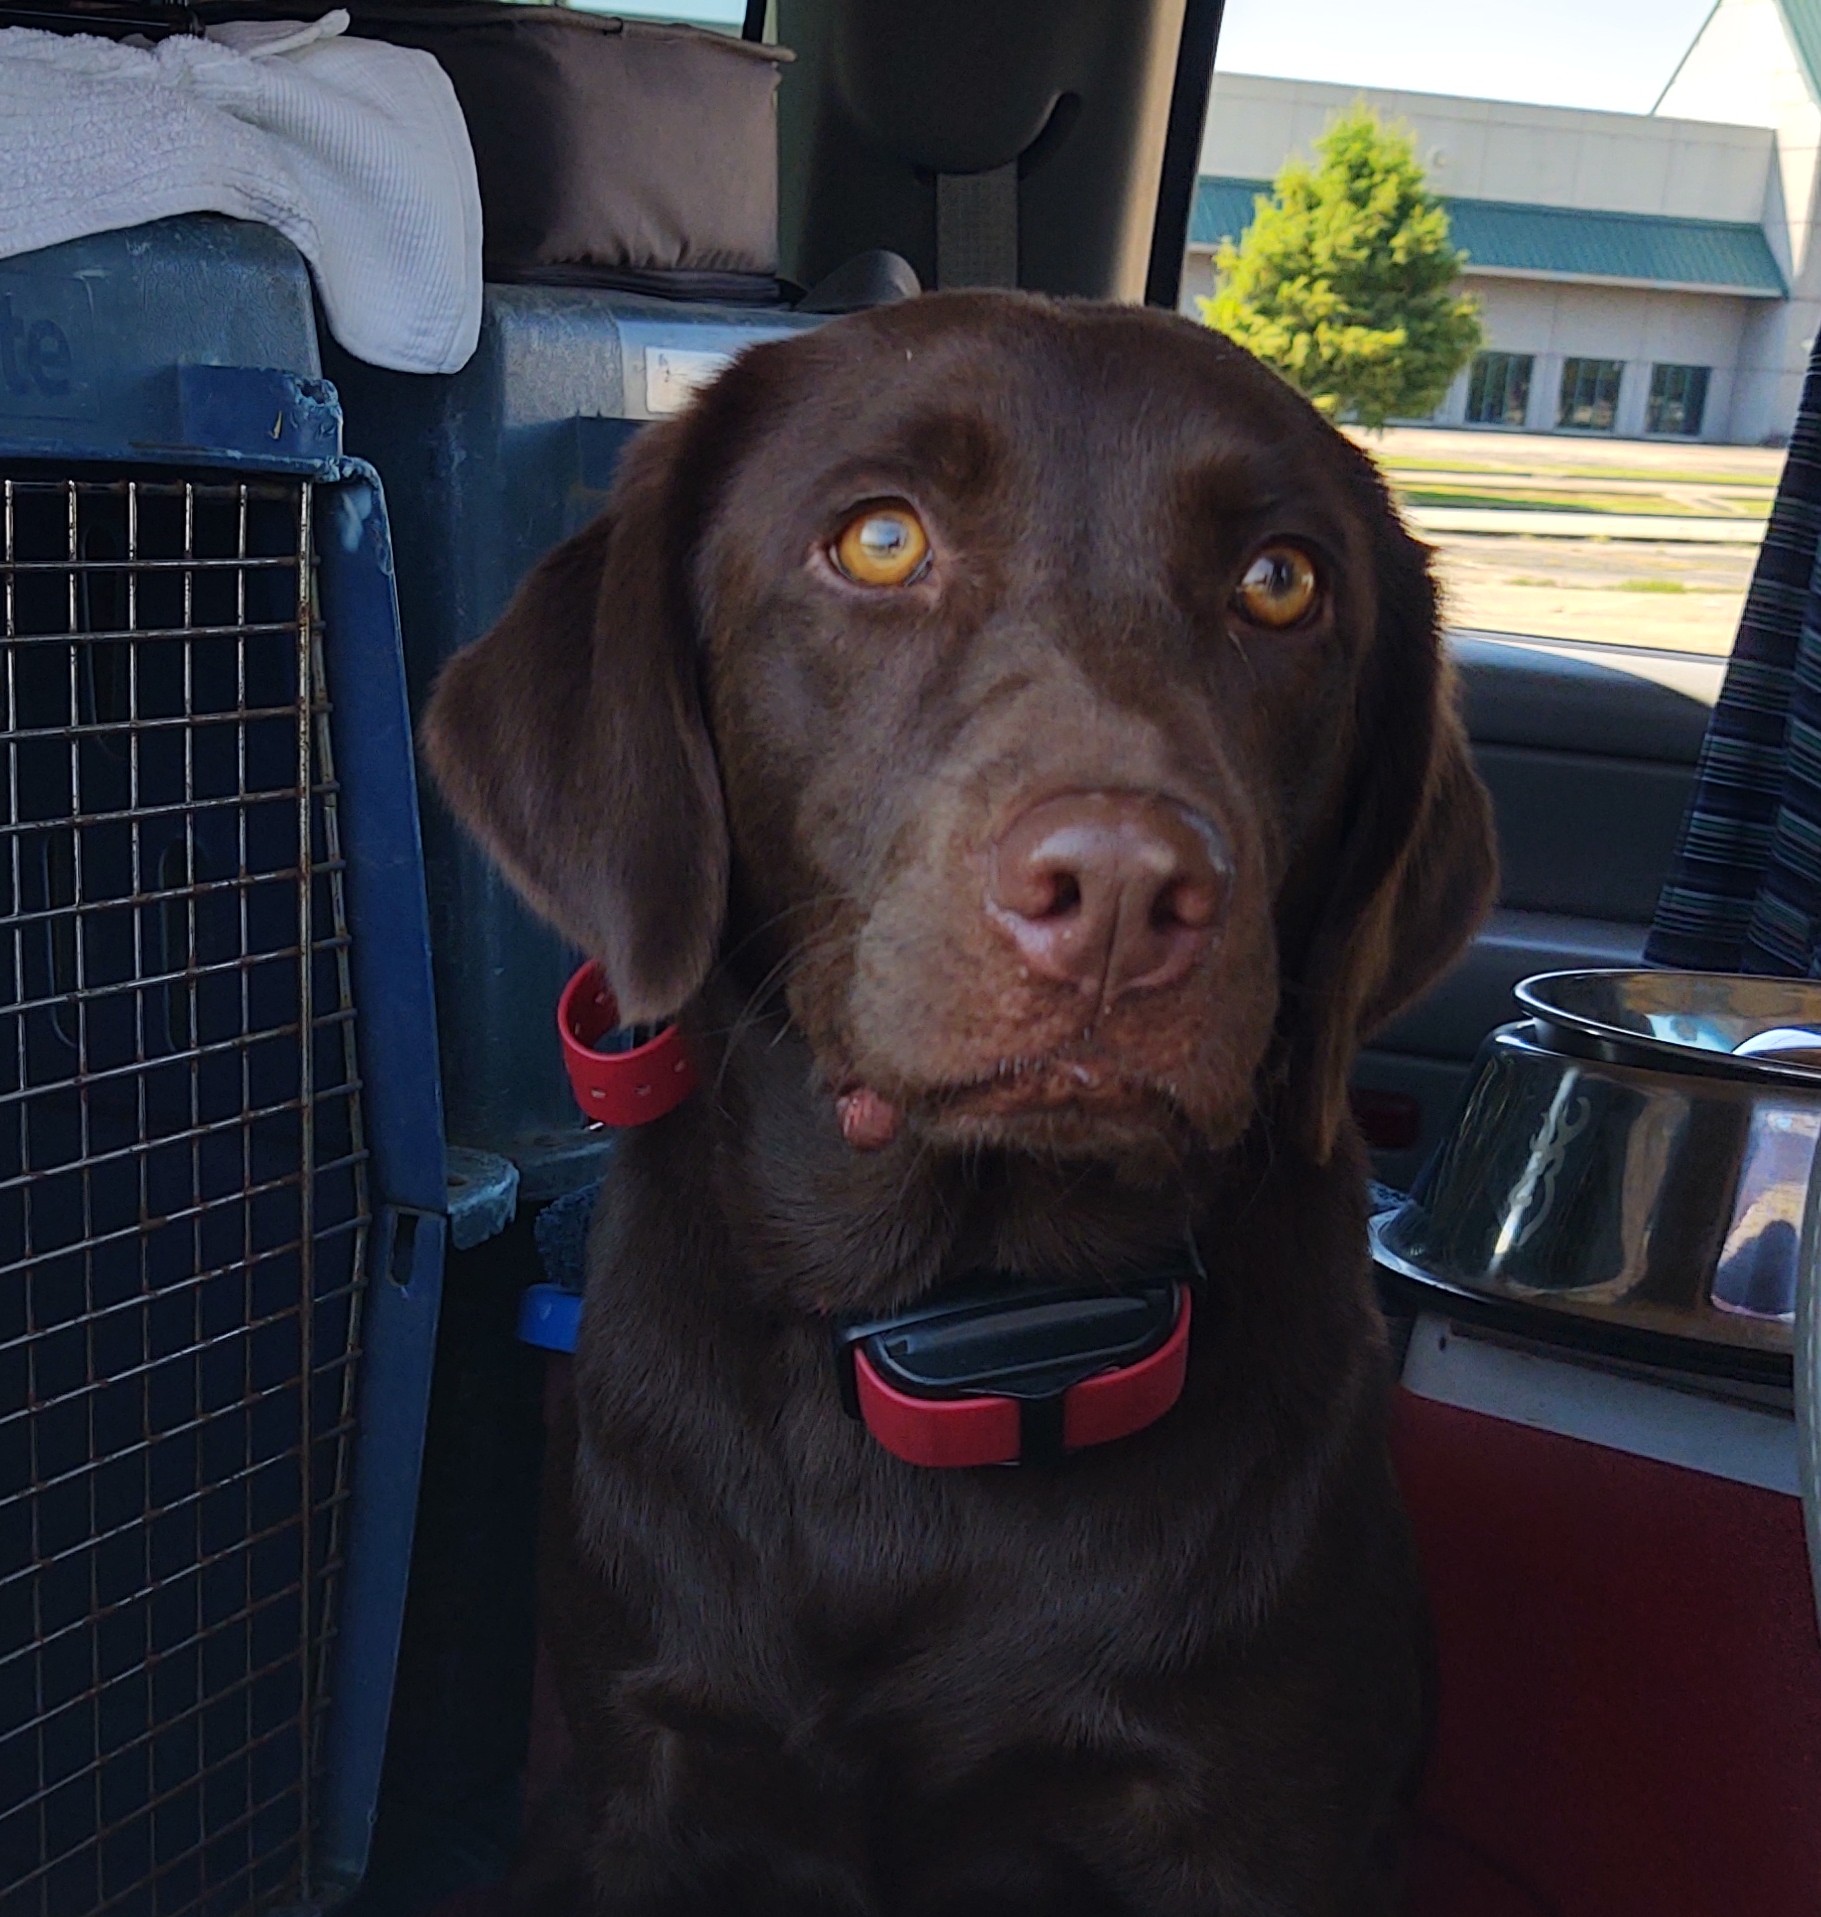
883 545
1278 588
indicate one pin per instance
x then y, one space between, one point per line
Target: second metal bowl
1636 1154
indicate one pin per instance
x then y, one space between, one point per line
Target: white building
1637 273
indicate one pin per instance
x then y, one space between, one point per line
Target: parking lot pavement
1612 542
1679 597
1652 528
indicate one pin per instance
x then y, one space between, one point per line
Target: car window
1629 189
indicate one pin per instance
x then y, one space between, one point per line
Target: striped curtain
1744 890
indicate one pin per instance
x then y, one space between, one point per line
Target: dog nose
1113 892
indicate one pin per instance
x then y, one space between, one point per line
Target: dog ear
571 739
1416 868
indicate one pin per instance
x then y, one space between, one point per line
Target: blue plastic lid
549 1317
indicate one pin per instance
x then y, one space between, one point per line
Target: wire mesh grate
183 1204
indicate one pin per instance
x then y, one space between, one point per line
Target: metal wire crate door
183 1203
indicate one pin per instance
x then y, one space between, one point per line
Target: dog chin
1051 1112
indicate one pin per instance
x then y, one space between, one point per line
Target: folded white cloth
354 150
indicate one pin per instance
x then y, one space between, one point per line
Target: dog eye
1278 588
882 545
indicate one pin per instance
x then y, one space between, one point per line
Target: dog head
1041 700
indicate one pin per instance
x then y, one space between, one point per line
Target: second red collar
621 1075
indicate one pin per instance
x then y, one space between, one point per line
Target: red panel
1630 1719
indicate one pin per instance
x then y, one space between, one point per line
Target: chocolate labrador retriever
1012 737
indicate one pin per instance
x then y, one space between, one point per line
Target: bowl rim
1581 1035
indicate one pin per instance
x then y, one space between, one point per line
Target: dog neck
836 1231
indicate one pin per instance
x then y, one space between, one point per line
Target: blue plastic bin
221 1161
485 470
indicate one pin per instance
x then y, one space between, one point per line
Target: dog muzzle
989 1371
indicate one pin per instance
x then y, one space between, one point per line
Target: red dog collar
641 1079
1000 1373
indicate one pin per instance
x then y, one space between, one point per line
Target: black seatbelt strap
977 227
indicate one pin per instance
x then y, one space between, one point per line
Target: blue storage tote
485 470
221 1164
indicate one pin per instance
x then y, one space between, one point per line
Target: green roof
1559 242
1803 19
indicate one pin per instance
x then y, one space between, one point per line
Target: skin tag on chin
673 373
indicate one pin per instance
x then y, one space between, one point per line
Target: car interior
1611 1518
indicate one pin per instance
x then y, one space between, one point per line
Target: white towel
354 150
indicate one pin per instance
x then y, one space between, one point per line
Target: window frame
1695 380
1577 371
1514 369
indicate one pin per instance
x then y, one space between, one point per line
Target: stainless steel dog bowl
1635 1154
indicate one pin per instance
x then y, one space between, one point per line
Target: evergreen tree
1345 280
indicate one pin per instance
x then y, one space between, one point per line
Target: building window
1590 394
1498 389
1678 398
